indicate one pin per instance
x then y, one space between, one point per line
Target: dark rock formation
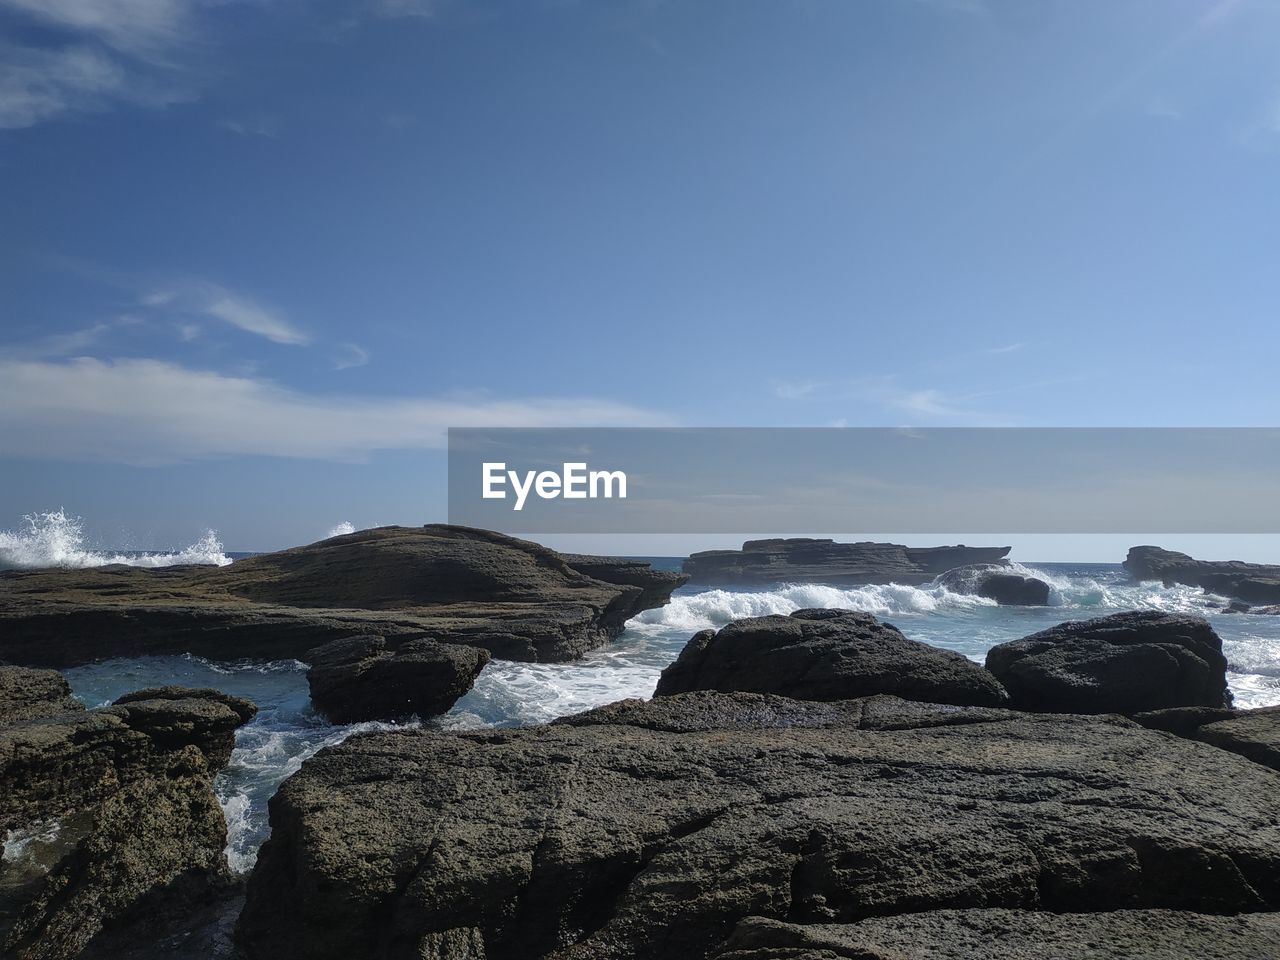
359 679
826 655
804 560
617 835
1013 935
996 582
1125 663
27 694
517 599
111 816
1254 734
1252 583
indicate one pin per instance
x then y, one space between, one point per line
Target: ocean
286 731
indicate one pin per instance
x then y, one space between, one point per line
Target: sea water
287 730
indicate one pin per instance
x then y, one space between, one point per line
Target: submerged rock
806 560
111 817
359 679
826 655
642 832
517 599
1014 935
1251 583
1129 662
996 582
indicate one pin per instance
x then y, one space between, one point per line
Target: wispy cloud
392 9
353 355
57 344
104 52
211 301
154 412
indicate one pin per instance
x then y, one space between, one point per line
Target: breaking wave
55 539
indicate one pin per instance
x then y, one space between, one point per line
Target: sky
258 254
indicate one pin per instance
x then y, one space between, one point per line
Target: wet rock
807 560
996 582
638 837
1125 663
110 817
826 655
1252 583
517 599
1013 935
360 679
29 694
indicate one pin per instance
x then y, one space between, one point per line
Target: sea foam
55 539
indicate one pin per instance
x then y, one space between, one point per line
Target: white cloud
57 344
353 355
931 403
797 389
218 303
154 412
107 52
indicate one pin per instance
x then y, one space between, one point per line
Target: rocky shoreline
1254 586
806 787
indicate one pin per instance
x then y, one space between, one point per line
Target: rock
1125 663
1013 935
519 600
1254 734
27 694
635 838
994 581
1252 583
805 560
1183 721
359 679
110 817
826 655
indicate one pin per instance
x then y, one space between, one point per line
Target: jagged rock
1013 935
632 837
30 694
994 581
517 599
806 560
1252 583
111 817
1124 663
359 679
826 655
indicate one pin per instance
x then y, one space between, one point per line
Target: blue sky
258 255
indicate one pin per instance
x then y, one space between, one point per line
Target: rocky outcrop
805 560
1252 583
632 837
826 655
996 582
1254 734
1125 663
110 816
516 599
1013 935
28 694
360 679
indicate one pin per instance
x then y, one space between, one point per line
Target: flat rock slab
1254 734
1132 662
623 835
1015 935
827 655
517 599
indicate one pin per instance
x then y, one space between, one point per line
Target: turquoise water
287 731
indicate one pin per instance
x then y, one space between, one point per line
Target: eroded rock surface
1130 662
1014 935
517 599
826 655
29 694
1252 583
652 832
807 560
110 816
360 679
